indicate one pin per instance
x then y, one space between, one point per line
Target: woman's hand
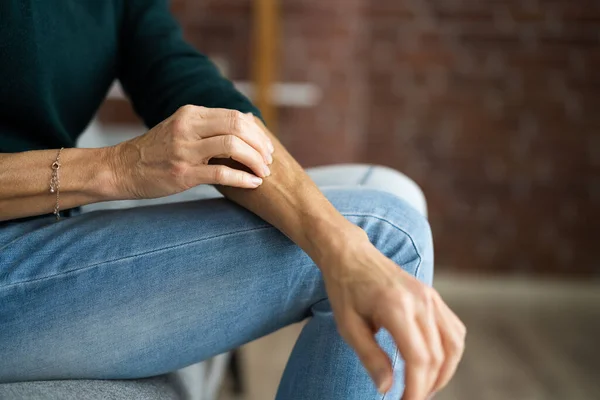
368 291
173 156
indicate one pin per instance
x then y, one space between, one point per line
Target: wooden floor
527 340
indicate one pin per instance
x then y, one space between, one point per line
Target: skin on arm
25 181
289 200
367 290
170 158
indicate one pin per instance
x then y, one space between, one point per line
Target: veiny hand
367 292
174 155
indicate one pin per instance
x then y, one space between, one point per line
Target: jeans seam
416 274
132 256
393 367
209 238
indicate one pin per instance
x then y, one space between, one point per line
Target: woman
138 292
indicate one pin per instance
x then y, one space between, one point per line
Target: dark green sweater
59 57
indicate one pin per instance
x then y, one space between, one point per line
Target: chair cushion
155 388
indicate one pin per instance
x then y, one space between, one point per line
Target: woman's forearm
290 201
86 176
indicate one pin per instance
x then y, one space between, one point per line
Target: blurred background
492 107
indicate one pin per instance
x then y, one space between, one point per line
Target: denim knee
393 226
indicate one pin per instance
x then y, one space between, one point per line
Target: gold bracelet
55 183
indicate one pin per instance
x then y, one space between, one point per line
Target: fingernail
269 159
267 171
271 148
250 115
256 181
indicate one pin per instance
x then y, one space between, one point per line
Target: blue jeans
143 291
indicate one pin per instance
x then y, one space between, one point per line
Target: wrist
108 177
87 173
330 237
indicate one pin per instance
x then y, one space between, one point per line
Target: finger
452 317
403 327
226 176
373 358
263 129
219 121
452 337
229 146
429 326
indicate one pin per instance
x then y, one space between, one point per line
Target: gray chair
197 382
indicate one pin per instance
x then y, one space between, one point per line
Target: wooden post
266 29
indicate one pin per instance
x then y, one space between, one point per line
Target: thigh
142 291
138 292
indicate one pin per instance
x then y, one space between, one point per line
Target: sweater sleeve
161 72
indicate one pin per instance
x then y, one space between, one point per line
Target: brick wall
491 106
